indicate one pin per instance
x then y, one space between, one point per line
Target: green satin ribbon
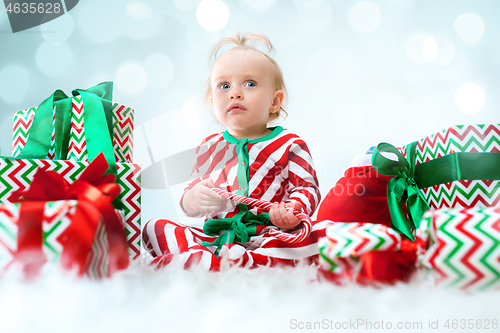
410 178
401 188
238 228
97 118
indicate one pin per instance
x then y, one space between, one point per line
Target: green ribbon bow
410 178
238 228
97 118
401 188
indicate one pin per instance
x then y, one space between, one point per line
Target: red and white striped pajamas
274 168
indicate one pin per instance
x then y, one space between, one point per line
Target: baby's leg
166 240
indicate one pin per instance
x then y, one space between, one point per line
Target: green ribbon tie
401 188
98 122
238 228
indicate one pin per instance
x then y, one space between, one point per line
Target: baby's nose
236 94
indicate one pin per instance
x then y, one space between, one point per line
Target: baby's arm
200 199
302 187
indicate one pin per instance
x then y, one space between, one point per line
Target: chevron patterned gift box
56 219
344 242
123 127
458 167
17 174
461 139
464 247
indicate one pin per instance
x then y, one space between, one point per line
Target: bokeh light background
357 72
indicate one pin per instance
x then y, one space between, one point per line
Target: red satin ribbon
95 194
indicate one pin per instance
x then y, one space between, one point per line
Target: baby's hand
282 218
201 199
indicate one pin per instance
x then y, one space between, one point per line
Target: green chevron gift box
463 247
341 249
17 174
65 133
455 168
120 119
57 217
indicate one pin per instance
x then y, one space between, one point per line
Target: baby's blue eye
224 86
250 84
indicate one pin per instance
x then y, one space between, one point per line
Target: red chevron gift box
17 174
458 247
463 247
457 167
119 117
366 253
81 229
57 216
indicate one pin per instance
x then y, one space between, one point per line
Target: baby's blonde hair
249 41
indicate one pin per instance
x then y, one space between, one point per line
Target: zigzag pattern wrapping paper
464 247
344 242
123 128
77 148
57 217
18 174
463 193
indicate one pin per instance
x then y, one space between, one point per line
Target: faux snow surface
140 299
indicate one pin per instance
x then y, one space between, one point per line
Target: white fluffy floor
235 300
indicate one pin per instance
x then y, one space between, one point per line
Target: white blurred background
357 72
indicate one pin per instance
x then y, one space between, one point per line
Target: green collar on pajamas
242 174
274 132
238 228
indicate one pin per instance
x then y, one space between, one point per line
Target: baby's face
243 91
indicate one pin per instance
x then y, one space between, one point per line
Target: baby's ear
279 95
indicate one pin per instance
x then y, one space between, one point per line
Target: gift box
365 253
57 216
122 125
461 139
463 247
63 133
17 174
457 167
453 178
72 223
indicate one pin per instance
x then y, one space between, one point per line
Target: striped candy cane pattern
286 237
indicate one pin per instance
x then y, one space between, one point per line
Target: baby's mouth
236 107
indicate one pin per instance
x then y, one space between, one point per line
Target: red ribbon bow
95 193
